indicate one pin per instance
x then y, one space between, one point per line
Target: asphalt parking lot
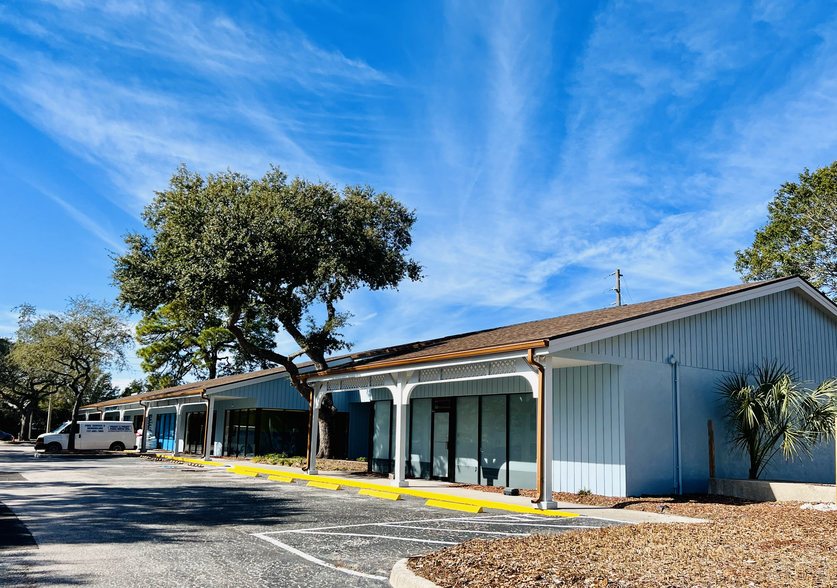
131 522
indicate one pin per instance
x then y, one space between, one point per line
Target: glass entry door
441 444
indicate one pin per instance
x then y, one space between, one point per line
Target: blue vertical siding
588 430
734 338
279 393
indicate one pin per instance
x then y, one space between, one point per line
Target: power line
627 290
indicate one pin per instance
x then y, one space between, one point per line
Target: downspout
539 476
101 414
206 436
310 425
675 393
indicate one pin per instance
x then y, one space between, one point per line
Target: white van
113 435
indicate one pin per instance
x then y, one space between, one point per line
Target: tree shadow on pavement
88 513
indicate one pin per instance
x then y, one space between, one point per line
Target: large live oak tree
279 251
800 237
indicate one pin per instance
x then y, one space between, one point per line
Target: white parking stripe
516 524
457 530
381 524
379 537
315 560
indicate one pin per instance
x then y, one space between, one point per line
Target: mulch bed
745 544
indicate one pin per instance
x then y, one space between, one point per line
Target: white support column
122 415
146 424
548 434
210 424
315 430
178 429
401 400
400 432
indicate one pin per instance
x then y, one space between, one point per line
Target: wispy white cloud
85 221
211 104
663 167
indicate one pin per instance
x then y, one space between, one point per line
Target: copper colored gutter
530 357
206 436
310 430
536 344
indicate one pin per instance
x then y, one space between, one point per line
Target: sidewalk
441 490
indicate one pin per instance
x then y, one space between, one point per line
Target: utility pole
618 288
49 415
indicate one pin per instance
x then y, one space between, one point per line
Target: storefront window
493 441
283 431
467 433
257 431
381 445
523 412
420 438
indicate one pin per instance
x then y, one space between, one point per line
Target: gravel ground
745 544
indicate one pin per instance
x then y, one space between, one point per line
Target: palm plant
766 411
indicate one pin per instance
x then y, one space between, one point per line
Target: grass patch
281 459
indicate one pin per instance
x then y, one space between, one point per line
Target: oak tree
800 237
75 347
283 251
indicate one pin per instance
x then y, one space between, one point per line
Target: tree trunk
754 468
71 438
326 424
24 421
26 418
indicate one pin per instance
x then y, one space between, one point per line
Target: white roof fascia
810 293
411 367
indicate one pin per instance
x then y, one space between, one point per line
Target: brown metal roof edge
536 344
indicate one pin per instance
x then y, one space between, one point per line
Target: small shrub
361 459
584 492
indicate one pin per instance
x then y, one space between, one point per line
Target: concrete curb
402 577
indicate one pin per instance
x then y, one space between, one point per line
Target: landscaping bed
745 544
326 465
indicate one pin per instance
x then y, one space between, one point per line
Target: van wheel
53 448
117 446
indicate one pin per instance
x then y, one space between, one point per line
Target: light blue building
615 401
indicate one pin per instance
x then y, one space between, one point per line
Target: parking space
369 550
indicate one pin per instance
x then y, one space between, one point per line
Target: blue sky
543 145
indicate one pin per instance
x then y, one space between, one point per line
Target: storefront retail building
620 397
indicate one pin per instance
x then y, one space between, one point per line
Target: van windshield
61 428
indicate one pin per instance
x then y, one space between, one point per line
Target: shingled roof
550 329
476 341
